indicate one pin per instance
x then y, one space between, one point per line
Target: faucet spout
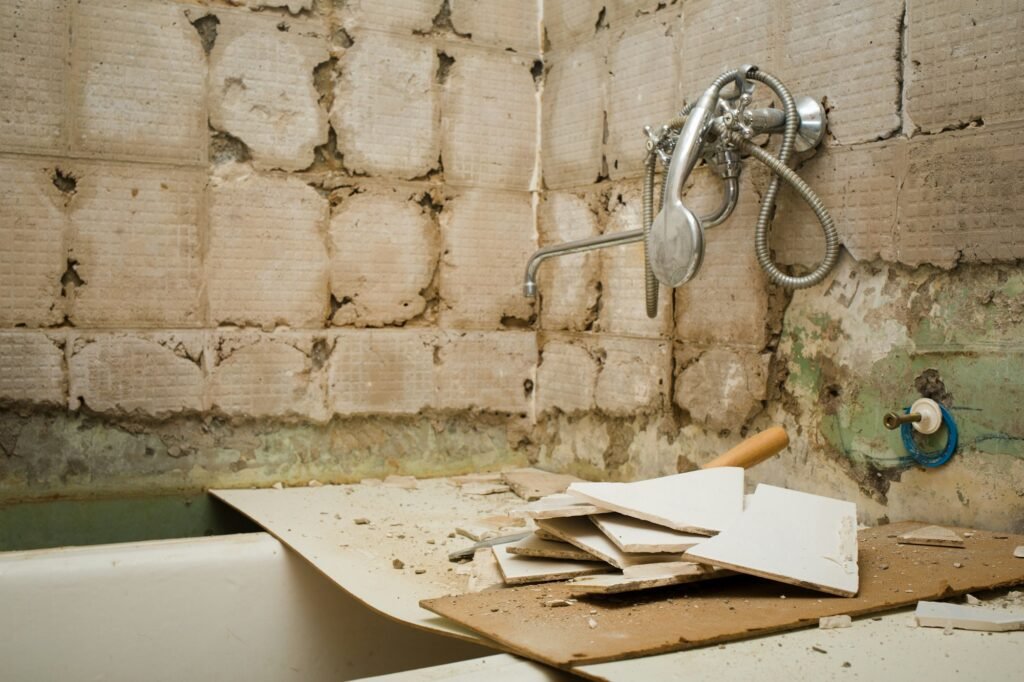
577 246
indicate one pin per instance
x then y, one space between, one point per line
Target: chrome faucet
718 128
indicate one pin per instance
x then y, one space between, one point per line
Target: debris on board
559 505
489 527
583 533
646 577
520 570
431 502
534 546
932 536
681 617
834 622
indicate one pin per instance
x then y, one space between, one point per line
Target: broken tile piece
484 573
935 614
636 535
582 533
533 546
933 536
834 622
532 484
793 537
704 501
488 527
520 570
544 535
557 506
645 577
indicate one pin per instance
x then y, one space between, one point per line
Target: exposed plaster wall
923 173
282 240
257 240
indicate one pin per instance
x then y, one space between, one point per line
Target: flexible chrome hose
828 226
780 168
650 281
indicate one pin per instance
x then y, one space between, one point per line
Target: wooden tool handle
753 450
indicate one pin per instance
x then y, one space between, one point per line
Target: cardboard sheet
355 533
687 616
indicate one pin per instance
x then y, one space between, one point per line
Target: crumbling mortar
206 26
442 24
324 80
444 65
227 148
319 8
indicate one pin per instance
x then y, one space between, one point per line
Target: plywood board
794 537
688 616
581 532
520 570
534 546
935 536
558 506
533 484
637 535
704 501
646 577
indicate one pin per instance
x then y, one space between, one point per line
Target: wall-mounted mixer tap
718 127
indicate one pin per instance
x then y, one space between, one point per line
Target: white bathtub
237 607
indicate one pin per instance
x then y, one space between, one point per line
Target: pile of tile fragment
618 537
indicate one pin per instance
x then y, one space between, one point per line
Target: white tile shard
705 501
534 546
935 614
484 573
582 533
646 577
637 535
793 537
557 506
520 570
834 622
933 536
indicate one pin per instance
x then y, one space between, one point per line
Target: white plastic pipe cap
931 415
